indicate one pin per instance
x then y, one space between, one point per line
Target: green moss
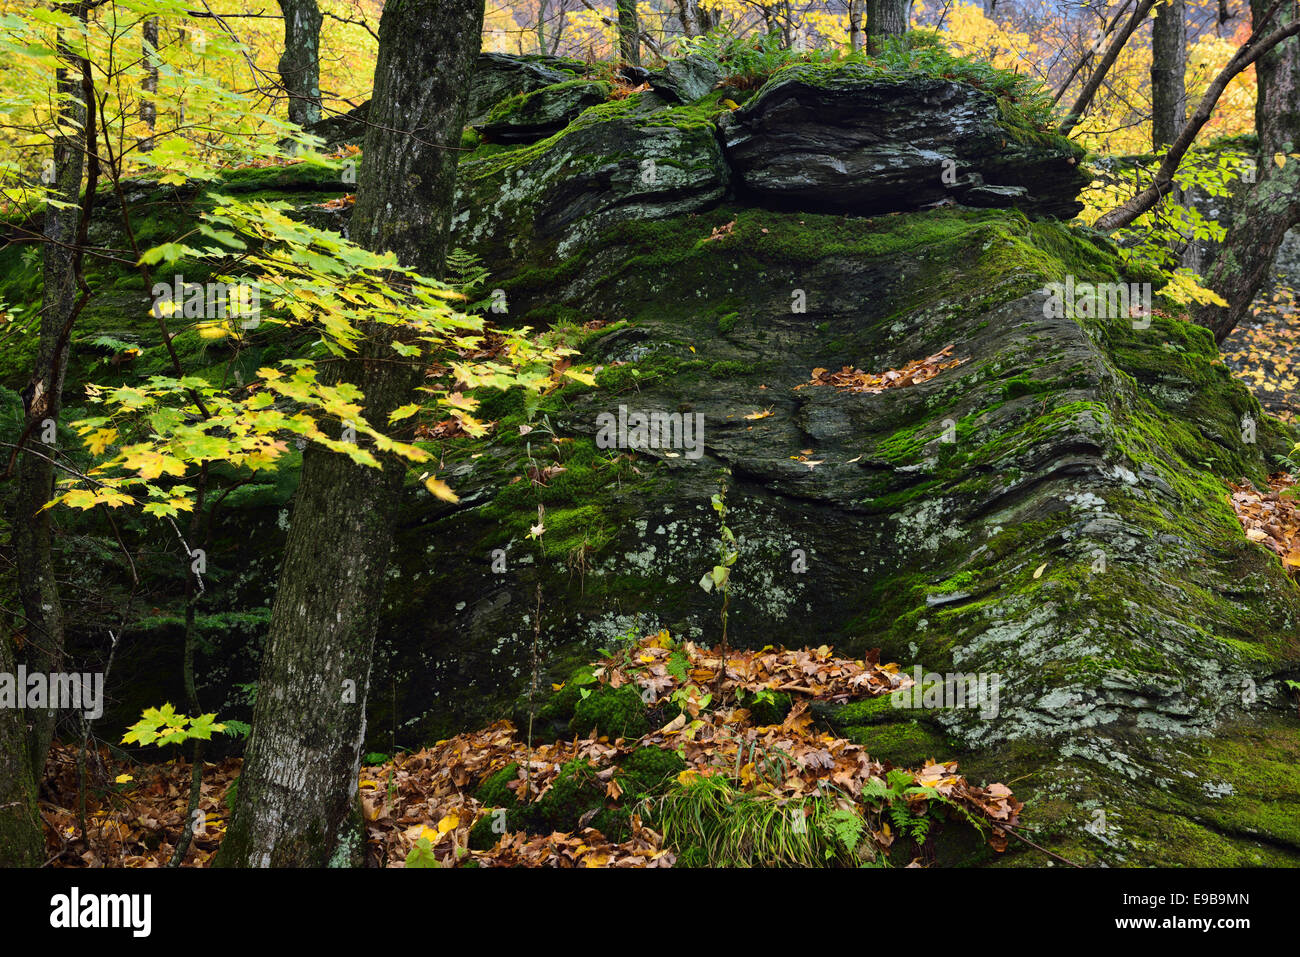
904 744
520 105
648 770
494 792
615 712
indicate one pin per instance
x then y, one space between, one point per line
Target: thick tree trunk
300 62
1168 72
886 18
297 803
21 839
629 32
1271 207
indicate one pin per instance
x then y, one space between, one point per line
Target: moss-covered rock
615 712
529 116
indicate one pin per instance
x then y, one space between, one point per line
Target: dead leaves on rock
872 383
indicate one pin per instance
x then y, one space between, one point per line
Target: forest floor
702 749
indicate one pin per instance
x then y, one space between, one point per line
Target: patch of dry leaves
871 383
1270 518
429 793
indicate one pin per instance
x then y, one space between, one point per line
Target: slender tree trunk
629 32
542 6
300 62
149 85
1271 207
1107 61
1263 40
1168 72
43 399
886 18
855 25
688 11
297 803
23 746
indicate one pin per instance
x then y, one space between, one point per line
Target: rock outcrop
846 139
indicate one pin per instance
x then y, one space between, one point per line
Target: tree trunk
297 800
25 736
629 32
300 62
1272 206
885 18
688 11
1107 61
32 540
855 25
21 838
149 85
1168 72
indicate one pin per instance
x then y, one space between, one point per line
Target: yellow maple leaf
441 490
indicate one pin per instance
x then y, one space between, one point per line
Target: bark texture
300 62
886 18
629 32
297 803
149 85
688 12
25 736
21 840
1168 72
1272 206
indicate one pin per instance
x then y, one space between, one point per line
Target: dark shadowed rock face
853 142
1050 512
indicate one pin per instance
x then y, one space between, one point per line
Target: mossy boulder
628 159
499 75
1050 511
